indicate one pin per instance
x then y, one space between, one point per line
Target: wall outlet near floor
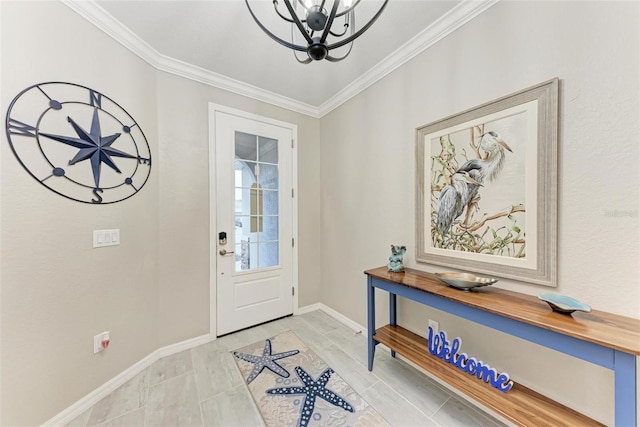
101 342
435 326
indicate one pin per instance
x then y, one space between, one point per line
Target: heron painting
486 187
478 189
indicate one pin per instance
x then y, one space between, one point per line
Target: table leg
392 315
371 320
625 389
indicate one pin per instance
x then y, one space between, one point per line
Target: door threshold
253 326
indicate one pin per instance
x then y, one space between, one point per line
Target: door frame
213 248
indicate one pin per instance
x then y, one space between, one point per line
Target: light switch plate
103 238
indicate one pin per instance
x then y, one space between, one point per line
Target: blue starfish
267 360
312 389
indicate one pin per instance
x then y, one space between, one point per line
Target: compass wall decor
78 142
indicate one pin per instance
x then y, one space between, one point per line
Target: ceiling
219 38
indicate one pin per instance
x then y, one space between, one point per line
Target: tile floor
203 386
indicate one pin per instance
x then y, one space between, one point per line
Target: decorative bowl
564 304
465 281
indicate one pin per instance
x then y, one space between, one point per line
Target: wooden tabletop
599 327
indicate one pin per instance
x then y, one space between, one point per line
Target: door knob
223 252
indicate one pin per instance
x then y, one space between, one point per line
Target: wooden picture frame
486 188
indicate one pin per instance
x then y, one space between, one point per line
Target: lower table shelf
520 405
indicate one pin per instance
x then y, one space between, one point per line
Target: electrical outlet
101 342
434 325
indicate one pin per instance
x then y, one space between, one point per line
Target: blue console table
602 338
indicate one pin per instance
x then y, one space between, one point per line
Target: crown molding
96 15
189 71
462 13
99 17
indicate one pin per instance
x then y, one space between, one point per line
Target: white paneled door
254 221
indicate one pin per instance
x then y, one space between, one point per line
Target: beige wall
152 290
58 292
355 196
368 172
184 202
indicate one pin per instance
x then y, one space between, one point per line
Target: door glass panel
245 173
268 150
269 229
246 256
269 202
268 256
242 229
246 146
243 201
256 185
268 177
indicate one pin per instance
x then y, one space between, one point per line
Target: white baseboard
82 405
307 309
183 345
336 315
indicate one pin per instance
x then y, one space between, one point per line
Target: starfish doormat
293 386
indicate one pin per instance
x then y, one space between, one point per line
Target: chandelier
322 29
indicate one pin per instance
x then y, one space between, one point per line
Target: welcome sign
440 347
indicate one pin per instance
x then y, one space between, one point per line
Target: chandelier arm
295 18
295 55
302 61
275 6
274 37
340 35
344 12
346 28
335 59
329 23
360 31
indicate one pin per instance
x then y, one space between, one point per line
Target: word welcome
440 347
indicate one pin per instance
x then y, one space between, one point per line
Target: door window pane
268 150
246 146
269 202
242 228
268 254
245 173
246 256
256 187
268 176
269 228
243 201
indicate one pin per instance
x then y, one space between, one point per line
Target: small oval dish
465 281
564 304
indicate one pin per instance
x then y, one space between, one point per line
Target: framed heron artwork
486 190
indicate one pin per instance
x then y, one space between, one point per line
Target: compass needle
95 126
83 154
104 158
